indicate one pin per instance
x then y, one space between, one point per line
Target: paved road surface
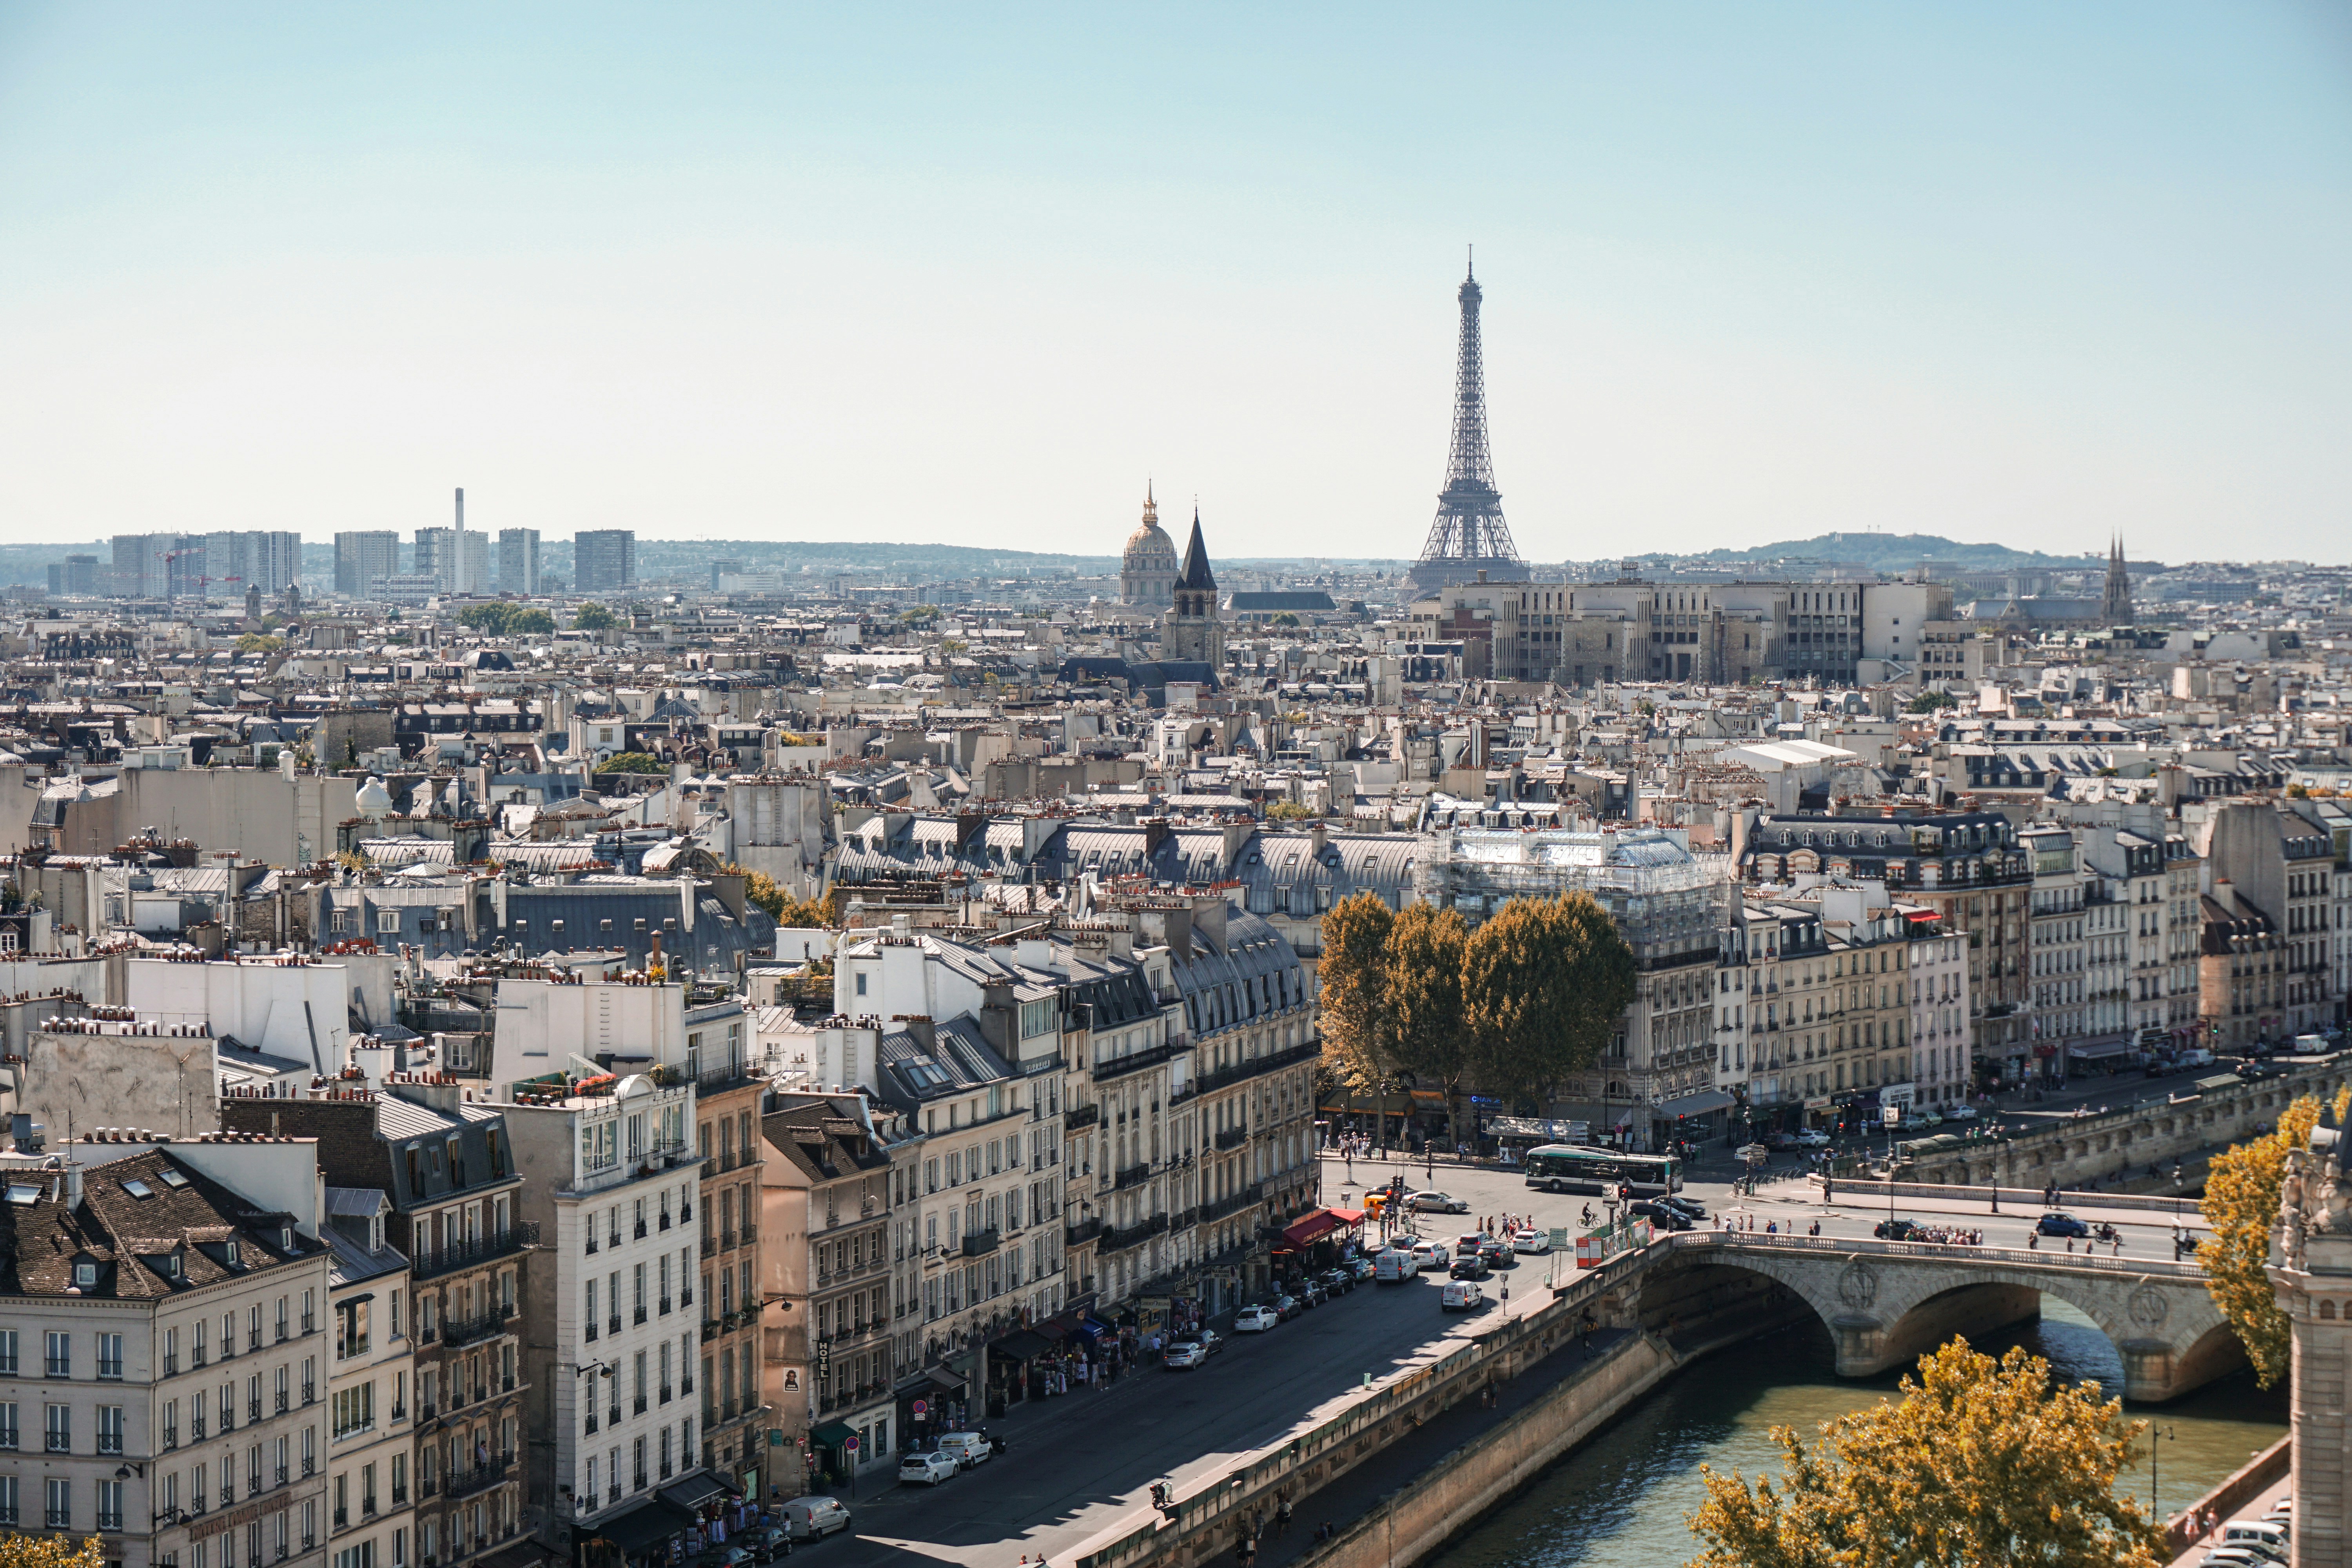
1081 1462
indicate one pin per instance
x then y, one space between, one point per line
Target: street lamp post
2154 1433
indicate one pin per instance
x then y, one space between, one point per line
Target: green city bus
1567 1168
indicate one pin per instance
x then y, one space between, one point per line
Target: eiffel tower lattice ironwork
1469 534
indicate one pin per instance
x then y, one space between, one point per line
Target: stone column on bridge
2311 1269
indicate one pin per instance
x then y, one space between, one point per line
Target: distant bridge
1886 1303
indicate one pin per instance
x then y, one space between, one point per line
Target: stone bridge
1886 1303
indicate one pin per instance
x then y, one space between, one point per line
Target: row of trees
500 619
1526 999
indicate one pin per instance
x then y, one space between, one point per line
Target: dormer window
286 1238
236 1254
86 1276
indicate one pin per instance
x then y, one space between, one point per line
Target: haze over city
1999 274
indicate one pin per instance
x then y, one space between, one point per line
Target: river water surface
1622 1499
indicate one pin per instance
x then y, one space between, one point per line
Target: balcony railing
980 1243
458 1254
1086 1230
1133 1176
1105 1070
466 1480
1254 1066
1234 1204
1078 1118
1116 1237
1232 1138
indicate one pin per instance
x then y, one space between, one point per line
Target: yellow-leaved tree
1979 1465
2241 1203
48 1551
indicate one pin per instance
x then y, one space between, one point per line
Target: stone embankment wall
2071 1151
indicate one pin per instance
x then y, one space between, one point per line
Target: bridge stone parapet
1887 1302
2070 1150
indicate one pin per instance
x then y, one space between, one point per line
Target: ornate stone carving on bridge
1857 1284
2311 1271
2147 1307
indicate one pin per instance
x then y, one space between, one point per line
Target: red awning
1348 1216
1305 1232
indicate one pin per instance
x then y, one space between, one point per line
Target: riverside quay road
1080 1464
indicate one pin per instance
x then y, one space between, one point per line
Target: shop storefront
1681 1123
688 1516
1009 1359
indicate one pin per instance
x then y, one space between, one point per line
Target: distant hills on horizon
658 558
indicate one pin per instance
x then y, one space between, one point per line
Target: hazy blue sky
2018 272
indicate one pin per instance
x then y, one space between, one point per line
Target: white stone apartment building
163 1351
1940 1019
611 1337
371 1410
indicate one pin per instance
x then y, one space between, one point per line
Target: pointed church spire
1194 572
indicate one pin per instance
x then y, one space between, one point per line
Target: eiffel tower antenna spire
1469 536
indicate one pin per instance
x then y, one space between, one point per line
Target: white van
1462 1296
1393 1267
806 1518
966 1448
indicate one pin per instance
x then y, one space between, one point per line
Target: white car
1183 1353
1432 1257
929 1470
1534 1241
1961 1113
1255 1319
1809 1139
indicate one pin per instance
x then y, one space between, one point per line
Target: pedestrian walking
1281 1514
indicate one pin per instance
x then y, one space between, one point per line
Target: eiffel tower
1469 536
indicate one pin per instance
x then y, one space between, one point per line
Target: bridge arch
1884 1304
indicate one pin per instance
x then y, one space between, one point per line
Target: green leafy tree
504 620
1928 701
1426 1031
1289 811
1979 1465
632 762
254 642
1351 983
2242 1205
1543 984
594 618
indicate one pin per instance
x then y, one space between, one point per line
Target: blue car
2056 1223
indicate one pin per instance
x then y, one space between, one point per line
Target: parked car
1471 1266
1664 1215
1362 1268
1181 1354
1286 1307
1779 1142
1434 1202
1337 1281
766 1542
807 1518
2234 1557
2263 1535
1255 1319
2057 1222
1961 1113
1537 1242
1209 1341
1462 1296
966 1448
927 1469
1311 1292
731 1555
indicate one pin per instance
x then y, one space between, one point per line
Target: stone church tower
1192 629
2116 603
2311 1269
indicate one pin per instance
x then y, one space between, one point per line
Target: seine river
1622 1499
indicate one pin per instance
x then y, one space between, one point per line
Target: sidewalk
1350 1496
